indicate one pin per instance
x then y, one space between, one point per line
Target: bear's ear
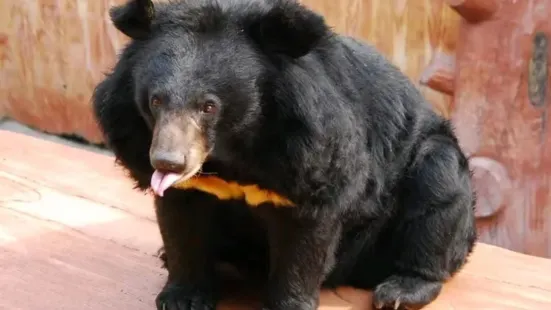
287 28
133 18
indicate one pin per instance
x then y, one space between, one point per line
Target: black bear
278 146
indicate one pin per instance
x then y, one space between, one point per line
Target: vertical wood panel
408 32
53 52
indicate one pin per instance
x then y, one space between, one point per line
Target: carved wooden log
501 112
474 11
492 184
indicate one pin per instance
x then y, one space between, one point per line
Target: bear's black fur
382 190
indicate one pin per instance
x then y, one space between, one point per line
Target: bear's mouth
162 180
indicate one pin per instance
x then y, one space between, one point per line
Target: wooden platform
74 235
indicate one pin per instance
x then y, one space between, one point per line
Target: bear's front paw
400 292
174 297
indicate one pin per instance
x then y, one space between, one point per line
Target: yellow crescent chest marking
252 194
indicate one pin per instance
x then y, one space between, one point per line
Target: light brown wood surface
75 235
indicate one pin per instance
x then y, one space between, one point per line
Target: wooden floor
74 235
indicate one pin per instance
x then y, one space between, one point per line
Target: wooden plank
71 170
46 266
65 248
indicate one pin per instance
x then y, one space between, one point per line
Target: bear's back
377 76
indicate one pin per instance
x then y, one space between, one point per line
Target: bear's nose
165 161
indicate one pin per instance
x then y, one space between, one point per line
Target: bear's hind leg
435 227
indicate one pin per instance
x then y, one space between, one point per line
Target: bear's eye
155 101
209 107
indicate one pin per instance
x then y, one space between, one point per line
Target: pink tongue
161 181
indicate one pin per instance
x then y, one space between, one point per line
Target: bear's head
190 84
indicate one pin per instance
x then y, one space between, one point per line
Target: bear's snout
177 152
168 161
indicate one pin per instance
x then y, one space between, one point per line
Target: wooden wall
409 32
53 52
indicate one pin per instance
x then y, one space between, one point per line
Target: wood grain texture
66 242
43 156
408 32
53 52
508 137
